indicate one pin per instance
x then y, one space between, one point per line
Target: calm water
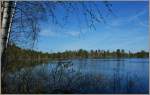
86 76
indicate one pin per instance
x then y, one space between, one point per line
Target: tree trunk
7 11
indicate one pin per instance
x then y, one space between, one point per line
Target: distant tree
118 53
130 54
107 53
92 54
142 54
122 53
82 53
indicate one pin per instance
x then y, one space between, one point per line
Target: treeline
14 52
119 53
17 53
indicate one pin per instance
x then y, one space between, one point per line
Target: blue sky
126 29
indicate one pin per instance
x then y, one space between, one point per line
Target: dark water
83 76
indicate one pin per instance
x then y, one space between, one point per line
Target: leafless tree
20 20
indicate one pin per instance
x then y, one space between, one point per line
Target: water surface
85 76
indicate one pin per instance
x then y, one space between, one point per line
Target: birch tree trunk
6 21
7 12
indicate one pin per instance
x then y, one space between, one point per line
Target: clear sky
126 29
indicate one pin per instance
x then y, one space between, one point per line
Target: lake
82 76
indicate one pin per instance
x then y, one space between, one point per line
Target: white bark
4 28
11 21
6 20
6 23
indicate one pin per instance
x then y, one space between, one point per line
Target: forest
17 58
17 53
